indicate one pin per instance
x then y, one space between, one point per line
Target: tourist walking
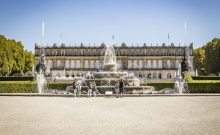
78 87
117 88
121 88
74 89
90 87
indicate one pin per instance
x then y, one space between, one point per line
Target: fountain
106 78
181 85
40 82
196 74
41 68
188 63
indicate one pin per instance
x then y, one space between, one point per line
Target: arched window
149 76
148 63
168 63
92 65
169 75
159 64
177 63
140 64
50 63
58 74
97 64
159 76
154 63
135 64
67 64
58 64
86 64
72 64
154 75
58 53
77 63
129 64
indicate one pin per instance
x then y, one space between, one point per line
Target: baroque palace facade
153 62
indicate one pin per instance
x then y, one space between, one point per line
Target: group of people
92 89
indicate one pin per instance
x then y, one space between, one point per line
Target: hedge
16 78
211 87
31 87
58 86
194 87
206 77
160 86
18 87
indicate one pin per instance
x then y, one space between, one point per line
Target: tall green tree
29 61
13 57
199 60
212 57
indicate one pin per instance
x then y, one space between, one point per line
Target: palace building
153 62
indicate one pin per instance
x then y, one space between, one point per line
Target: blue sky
95 21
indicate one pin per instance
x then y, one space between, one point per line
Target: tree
199 60
212 57
13 57
29 61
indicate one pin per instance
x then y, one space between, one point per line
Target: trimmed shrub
206 77
160 86
187 76
62 86
16 78
18 87
204 87
58 86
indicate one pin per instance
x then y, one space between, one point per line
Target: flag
113 36
168 36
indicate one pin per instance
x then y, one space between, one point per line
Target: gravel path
110 116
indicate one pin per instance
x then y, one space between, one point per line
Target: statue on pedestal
41 67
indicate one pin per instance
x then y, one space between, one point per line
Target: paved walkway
110 116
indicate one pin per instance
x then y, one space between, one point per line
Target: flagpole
185 32
42 34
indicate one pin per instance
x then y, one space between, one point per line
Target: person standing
90 87
78 89
94 89
74 89
117 88
121 88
